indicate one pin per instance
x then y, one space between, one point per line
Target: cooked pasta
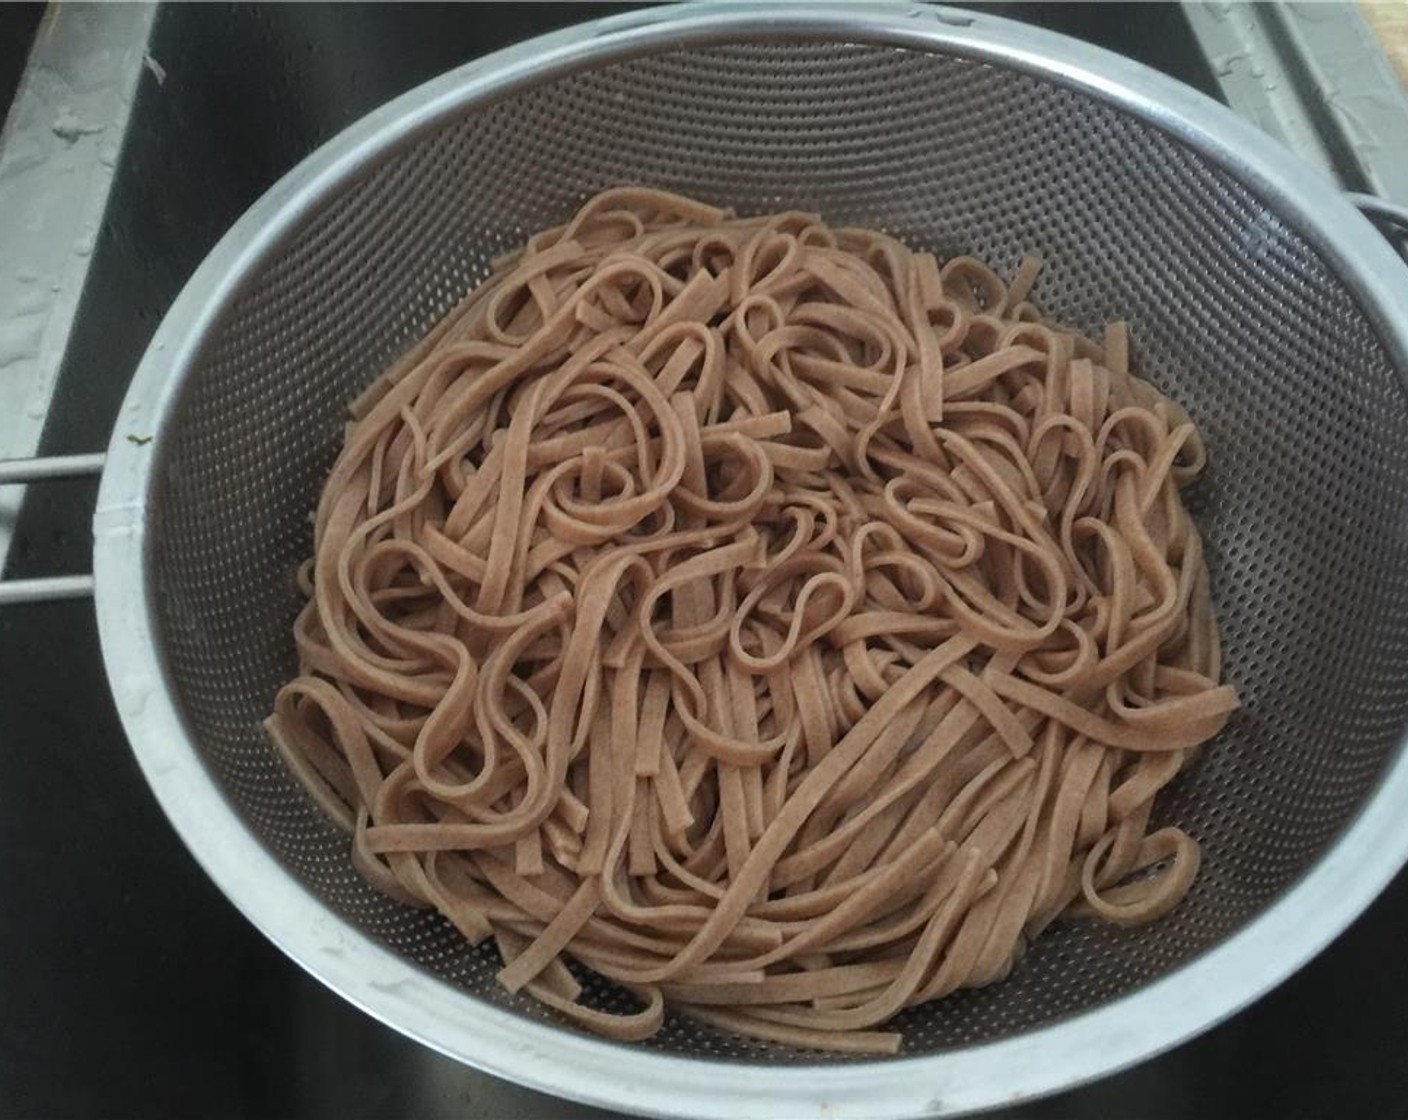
776 621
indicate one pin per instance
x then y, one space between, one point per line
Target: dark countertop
133 989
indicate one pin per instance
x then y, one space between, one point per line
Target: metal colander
1256 297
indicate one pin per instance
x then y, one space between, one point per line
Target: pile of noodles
778 622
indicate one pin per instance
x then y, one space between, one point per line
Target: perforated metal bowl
1257 297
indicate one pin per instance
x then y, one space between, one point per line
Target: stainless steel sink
138 135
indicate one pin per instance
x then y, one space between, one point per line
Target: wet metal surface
108 930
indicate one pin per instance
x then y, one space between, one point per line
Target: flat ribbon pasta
776 621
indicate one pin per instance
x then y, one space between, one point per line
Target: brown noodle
779 623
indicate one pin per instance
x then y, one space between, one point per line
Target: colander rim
1056 1056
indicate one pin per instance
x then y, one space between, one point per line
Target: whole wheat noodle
774 620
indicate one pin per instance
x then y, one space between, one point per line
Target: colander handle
44 589
1386 215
